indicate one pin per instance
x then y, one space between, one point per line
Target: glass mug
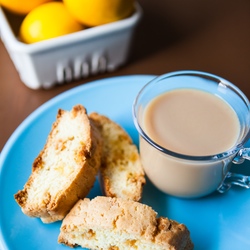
191 176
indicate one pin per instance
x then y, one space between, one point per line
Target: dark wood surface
212 36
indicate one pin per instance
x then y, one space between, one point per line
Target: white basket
74 56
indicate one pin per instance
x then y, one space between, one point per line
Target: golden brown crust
123 224
176 234
121 172
66 168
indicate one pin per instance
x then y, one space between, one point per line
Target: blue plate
215 222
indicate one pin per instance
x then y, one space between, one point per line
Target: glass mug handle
234 178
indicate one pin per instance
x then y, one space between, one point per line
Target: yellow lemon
47 21
21 6
97 12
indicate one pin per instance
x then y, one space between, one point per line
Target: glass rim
219 80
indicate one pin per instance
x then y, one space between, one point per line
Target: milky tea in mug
192 125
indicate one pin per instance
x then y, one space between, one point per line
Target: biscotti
113 223
121 172
66 168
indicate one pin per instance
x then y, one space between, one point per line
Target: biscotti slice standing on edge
113 223
121 172
66 168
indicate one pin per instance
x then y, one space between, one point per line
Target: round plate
218 221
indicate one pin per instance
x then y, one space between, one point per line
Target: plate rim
36 112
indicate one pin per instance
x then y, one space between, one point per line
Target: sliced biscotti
113 223
121 173
66 168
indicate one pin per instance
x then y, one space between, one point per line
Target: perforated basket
74 56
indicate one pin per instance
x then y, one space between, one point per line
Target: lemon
21 6
47 21
98 12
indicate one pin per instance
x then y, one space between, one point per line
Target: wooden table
212 36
